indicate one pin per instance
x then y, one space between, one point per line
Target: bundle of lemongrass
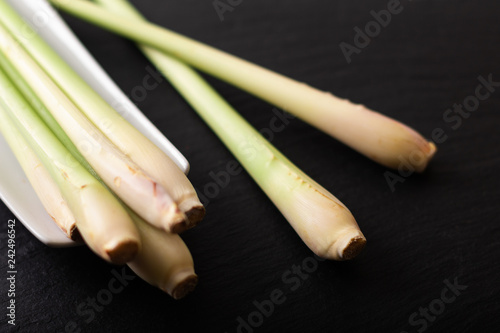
109 185
61 99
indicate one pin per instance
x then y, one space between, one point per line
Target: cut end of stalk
429 153
74 234
353 248
175 220
179 227
183 284
195 215
70 230
348 246
122 252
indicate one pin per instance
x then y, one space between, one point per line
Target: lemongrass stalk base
194 215
122 252
349 247
182 284
164 260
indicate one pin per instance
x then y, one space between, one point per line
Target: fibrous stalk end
431 150
183 284
348 246
121 252
353 248
195 215
175 221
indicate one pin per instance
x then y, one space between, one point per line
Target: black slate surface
433 230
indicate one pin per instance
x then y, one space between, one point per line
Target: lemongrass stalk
320 219
378 137
164 261
101 220
121 133
46 189
134 186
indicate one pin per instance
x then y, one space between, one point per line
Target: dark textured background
440 225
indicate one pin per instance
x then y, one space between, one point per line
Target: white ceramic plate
15 189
